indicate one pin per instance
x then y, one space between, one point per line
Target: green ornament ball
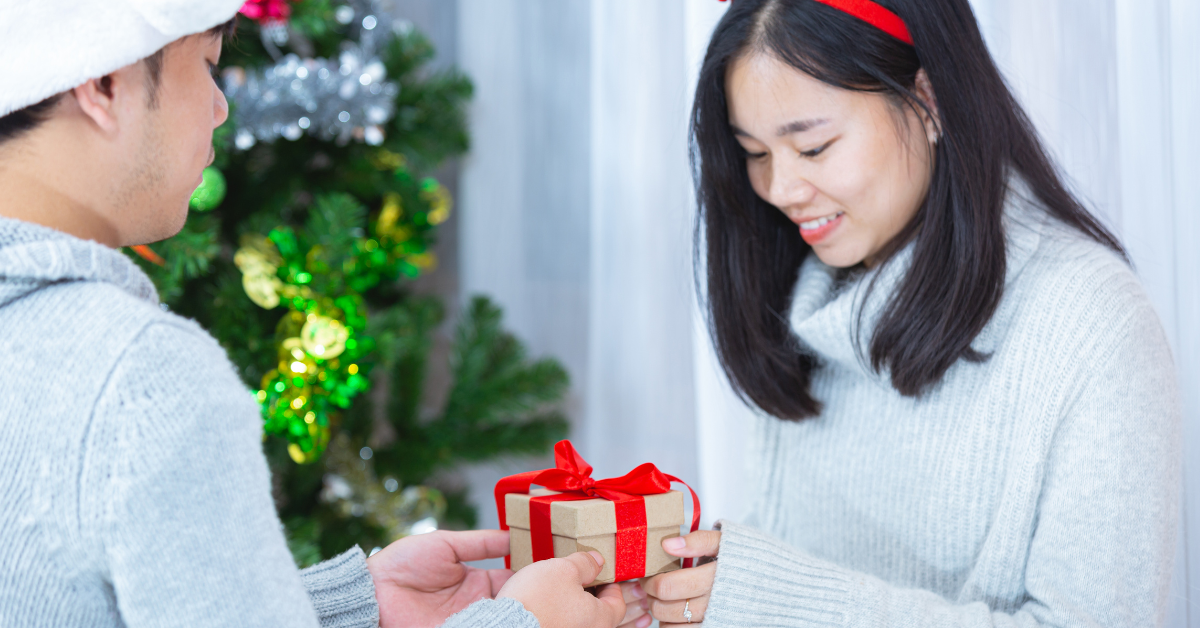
211 191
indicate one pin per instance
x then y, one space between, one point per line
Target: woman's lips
813 236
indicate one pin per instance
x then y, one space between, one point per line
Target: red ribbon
572 478
874 14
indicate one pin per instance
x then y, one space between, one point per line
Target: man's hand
420 581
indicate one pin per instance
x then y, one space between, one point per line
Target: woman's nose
789 188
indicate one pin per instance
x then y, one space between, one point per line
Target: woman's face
849 168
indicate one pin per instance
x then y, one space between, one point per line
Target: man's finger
477 544
682 583
588 565
497 578
610 598
698 543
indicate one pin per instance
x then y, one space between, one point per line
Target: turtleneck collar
834 316
33 256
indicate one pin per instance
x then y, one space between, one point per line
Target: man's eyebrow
796 126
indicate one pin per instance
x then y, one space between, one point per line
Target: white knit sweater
133 489
1039 488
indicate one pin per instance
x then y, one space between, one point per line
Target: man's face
174 143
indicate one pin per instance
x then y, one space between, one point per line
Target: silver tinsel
341 99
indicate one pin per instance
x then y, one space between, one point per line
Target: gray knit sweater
133 489
1039 488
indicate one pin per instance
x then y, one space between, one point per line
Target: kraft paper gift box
591 524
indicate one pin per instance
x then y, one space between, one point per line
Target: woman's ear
929 113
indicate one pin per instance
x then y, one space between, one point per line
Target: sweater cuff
342 591
761 581
502 613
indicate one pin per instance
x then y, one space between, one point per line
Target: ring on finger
687 612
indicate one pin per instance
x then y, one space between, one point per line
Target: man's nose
220 108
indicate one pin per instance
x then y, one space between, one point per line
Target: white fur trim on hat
50 47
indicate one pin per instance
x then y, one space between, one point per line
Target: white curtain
1114 88
576 210
576 215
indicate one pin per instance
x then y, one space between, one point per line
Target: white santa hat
48 47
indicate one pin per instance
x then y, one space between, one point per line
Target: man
133 490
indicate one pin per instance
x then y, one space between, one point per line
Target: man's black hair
24 120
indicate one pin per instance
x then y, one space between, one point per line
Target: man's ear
930 117
102 99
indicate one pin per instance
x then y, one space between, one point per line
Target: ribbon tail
518 483
687 562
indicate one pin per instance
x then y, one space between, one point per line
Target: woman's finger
635 611
640 622
672 611
682 583
636 603
698 543
632 591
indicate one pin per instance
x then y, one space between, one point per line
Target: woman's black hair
752 253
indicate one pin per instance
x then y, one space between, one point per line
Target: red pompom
266 10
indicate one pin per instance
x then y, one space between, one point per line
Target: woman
973 418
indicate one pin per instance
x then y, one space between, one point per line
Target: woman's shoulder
1075 290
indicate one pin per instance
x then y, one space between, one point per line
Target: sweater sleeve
183 506
342 591
503 613
1102 549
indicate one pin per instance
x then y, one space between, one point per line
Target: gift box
591 524
625 518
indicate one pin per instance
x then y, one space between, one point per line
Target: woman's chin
837 256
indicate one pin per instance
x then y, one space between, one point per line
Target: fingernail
637 591
643 621
645 604
598 556
674 544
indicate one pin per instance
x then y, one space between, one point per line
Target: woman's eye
213 70
816 151
750 155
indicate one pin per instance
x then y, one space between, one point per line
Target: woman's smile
813 231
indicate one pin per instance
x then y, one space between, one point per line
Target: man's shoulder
86 333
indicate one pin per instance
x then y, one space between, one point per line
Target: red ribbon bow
572 478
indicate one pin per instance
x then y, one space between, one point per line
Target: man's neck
31 198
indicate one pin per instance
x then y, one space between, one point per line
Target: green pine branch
500 402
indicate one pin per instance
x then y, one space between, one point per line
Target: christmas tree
299 256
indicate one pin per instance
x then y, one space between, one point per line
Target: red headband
873 14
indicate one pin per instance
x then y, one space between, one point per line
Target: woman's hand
553 591
670 591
